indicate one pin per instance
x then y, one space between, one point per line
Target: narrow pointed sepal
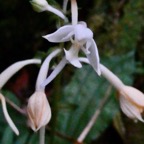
63 34
14 68
7 117
93 56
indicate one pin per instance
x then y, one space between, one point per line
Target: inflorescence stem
74 11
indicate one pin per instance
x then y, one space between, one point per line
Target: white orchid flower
4 77
39 111
131 99
82 39
43 5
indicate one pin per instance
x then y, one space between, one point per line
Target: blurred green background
74 96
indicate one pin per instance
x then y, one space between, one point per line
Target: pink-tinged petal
82 33
134 95
63 34
72 57
130 110
93 57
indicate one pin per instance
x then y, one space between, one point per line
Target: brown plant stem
13 105
93 119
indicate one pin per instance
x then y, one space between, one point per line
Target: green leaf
34 139
8 136
86 90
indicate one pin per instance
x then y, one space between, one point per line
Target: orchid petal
9 120
55 72
11 70
130 110
44 68
82 33
63 34
134 95
93 57
72 57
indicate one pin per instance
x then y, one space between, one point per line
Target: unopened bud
39 111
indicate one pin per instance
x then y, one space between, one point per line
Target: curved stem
55 72
74 11
44 69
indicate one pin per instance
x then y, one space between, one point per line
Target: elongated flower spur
43 5
4 77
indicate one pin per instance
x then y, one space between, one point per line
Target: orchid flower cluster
81 40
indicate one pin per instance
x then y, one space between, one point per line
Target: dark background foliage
118 27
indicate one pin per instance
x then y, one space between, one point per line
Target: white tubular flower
42 5
38 109
82 39
132 102
131 99
4 77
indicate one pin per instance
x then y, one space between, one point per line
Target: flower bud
39 5
132 102
43 5
38 110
